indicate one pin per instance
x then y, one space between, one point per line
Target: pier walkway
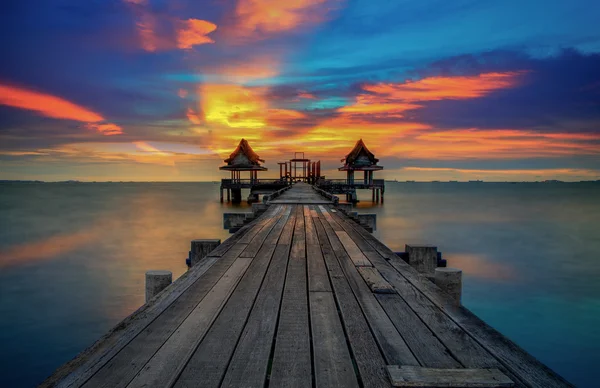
303 297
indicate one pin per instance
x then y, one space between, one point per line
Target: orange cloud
266 17
157 32
444 88
508 143
55 107
192 32
193 117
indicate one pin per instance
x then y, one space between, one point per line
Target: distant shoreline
9 181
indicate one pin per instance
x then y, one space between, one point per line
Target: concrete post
450 281
259 208
344 207
423 258
156 281
232 220
369 219
252 198
201 248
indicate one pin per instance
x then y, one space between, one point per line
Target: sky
164 90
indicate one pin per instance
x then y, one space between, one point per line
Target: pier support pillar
344 207
252 198
233 220
236 195
156 281
450 281
423 258
228 195
368 219
201 248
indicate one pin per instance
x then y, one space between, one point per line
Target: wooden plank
393 346
258 240
288 229
324 211
375 281
332 364
471 340
292 359
123 366
354 252
277 230
165 365
311 233
411 376
299 241
368 358
250 360
265 218
210 360
318 279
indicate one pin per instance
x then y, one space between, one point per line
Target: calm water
73 258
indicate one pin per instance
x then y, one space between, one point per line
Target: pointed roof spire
244 149
243 158
359 148
360 158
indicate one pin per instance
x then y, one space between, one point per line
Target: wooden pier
303 296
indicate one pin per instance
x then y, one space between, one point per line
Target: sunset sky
163 90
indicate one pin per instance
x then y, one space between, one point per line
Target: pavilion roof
251 157
360 149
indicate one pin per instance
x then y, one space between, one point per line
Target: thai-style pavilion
361 159
243 158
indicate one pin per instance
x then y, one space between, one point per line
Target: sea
73 257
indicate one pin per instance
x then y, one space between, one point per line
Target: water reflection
478 266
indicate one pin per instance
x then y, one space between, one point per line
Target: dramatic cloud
267 17
444 88
159 31
194 32
55 107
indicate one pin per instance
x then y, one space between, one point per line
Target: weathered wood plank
375 281
318 279
250 360
265 218
258 240
209 361
276 232
324 212
369 360
410 376
332 364
311 233
122 366
166 363
393 346
354 252
292 359
288 229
